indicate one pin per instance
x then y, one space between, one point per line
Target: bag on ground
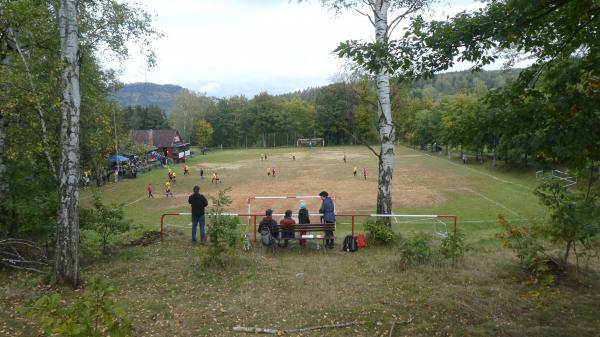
360 240
350 244
266 238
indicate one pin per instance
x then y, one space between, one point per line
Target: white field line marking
136 200
482 173
493 201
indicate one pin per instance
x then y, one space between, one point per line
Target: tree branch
276 331
37 105
363 142
392 25
367 15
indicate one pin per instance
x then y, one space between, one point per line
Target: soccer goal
564 176
310 142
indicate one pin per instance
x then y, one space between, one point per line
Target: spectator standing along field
198 202
328 211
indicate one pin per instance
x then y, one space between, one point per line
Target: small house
167 142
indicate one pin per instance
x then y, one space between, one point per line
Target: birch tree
376 64
5 49
66 269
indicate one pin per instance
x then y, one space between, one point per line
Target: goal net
310 142
565 177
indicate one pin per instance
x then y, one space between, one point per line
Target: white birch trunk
387 132
67 240
5 49
3 183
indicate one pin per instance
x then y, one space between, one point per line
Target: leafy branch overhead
542 30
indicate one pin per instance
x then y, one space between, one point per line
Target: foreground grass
166 294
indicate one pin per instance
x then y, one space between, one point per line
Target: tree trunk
387 132
566 255
3 183
6 48
67 240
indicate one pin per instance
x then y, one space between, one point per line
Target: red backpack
360 239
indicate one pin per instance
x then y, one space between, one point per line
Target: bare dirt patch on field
223 166
350 194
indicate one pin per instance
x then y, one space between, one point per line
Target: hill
163 95
146 94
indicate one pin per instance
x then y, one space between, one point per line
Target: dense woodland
451 110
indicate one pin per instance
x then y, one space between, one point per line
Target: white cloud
232 47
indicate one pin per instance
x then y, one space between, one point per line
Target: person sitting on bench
303 219
270 224
287 221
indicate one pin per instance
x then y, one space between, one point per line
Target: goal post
310 142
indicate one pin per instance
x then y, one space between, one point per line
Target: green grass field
487 294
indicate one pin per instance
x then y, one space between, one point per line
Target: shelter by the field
167 141
114 158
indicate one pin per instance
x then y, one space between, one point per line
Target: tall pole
116 148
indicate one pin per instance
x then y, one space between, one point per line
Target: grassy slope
486 295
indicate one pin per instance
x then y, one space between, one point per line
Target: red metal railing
352 215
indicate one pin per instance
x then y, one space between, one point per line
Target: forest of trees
342 113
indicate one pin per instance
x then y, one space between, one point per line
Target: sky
244 47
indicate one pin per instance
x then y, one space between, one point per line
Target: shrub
379 233
106 221
223 234
453 246
93 314
526 243
574 216
416 251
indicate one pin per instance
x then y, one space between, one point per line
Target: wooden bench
310 230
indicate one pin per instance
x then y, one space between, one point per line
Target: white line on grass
493 201
136 200
482 173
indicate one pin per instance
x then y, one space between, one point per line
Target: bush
526 243
416 251
106 221
379 233
93 314
453 246
223 234
574 217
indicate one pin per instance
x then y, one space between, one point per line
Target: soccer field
423 184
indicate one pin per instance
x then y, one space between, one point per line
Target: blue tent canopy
115 158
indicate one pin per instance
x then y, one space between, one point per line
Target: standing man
201 174
354 170
328 211
198 202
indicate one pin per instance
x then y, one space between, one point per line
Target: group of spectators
328 216
199 202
